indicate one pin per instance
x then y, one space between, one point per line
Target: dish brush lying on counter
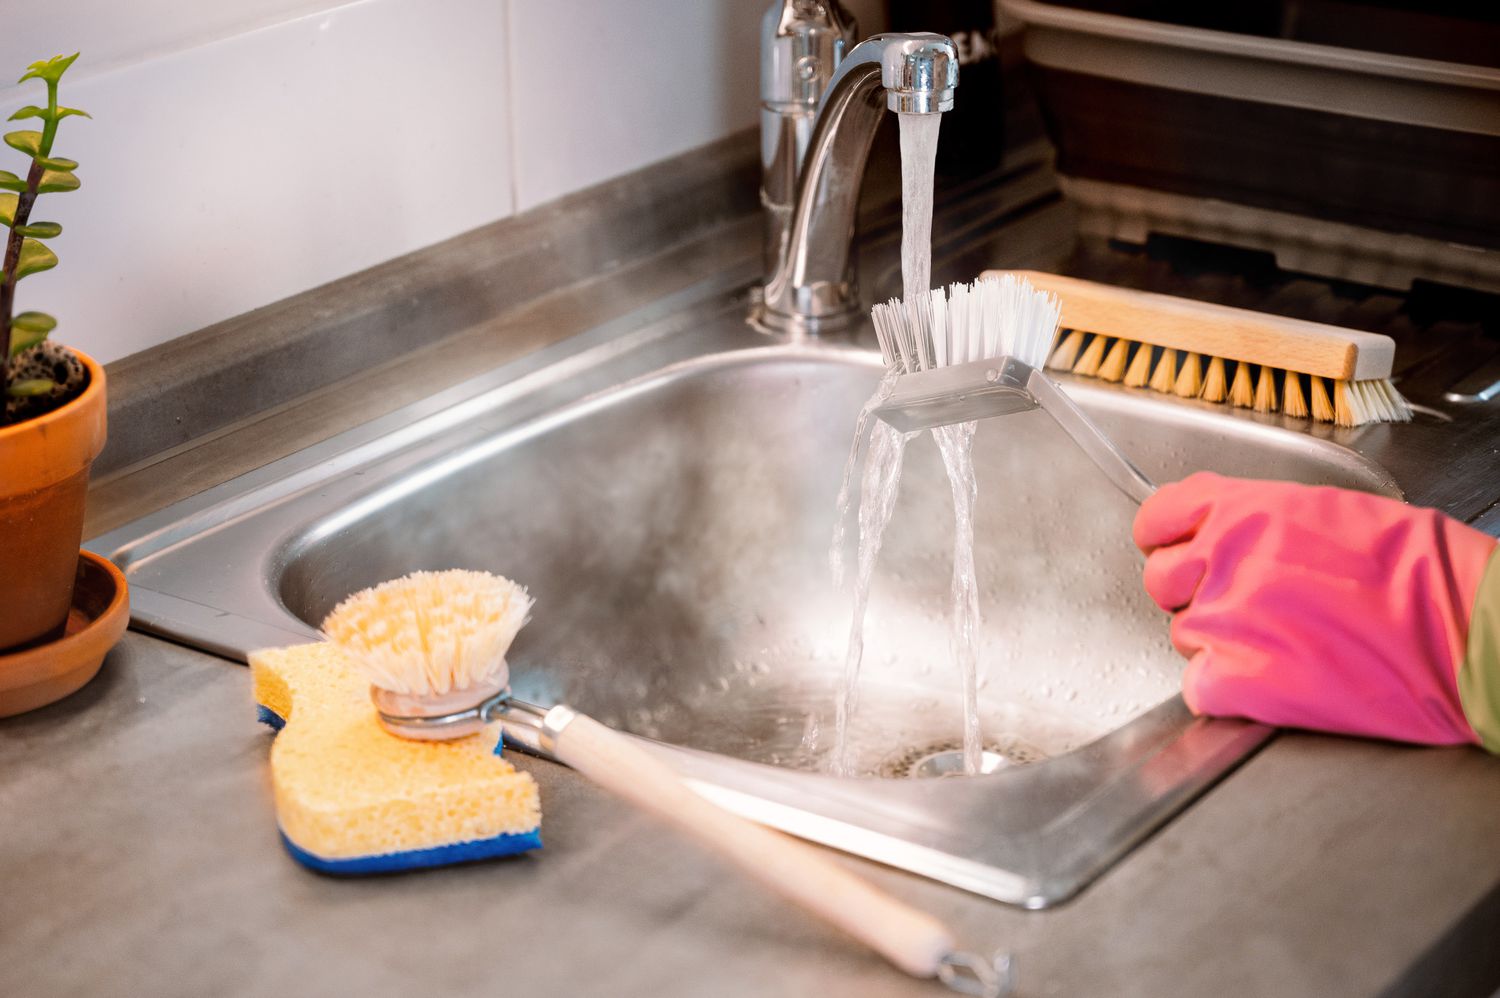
1220 354
428 651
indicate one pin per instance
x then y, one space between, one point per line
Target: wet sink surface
669 501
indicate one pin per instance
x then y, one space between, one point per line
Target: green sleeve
1479 676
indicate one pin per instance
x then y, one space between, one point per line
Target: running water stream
919 134
956 444
882 478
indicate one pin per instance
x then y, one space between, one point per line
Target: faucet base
766 320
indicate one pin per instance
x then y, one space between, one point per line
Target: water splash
846 483
877 501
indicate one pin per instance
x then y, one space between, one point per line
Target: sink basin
666 491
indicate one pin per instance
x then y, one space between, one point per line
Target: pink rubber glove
1318 607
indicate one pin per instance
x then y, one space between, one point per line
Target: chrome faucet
819 110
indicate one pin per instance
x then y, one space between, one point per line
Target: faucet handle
802 43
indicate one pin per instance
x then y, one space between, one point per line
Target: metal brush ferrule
535 729
438 716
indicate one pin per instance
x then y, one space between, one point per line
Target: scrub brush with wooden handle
433 646
1232 356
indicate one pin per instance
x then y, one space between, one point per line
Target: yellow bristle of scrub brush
1139 371
1215 382
1241 391
1349 372
1165 375
1189 383
1293 402
1113 368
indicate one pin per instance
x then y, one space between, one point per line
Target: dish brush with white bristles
992 317
1219 354
431 632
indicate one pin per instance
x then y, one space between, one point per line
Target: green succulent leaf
34 322
49 69
32 386
40 230
10 182
35 258
56 180
20 341
24 339
8 208
57 163
28 142
32 111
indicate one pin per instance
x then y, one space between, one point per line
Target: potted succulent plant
52 421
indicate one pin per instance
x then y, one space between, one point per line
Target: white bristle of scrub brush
942 337
430 633
992 317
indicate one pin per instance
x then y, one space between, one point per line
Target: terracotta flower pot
44 477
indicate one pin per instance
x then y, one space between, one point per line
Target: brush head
958 393
993 317
431 634
1267 363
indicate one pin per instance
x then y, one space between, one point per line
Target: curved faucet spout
811 287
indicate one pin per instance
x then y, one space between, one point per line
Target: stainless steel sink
665 486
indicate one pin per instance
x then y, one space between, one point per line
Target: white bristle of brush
430 632
992 317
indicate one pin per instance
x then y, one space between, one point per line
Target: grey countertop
139 854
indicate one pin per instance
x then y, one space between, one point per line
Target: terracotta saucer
39 675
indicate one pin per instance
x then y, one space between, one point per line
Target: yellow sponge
352 798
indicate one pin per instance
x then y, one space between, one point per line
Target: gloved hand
1327 609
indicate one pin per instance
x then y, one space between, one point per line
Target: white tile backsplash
228 175
113 32
601 89
246 150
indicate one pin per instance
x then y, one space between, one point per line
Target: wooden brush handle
912 940
1216 330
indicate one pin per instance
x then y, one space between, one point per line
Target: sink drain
946 758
